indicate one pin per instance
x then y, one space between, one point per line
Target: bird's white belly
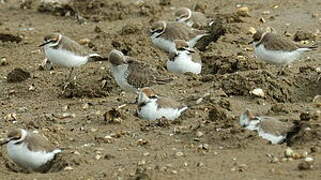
27 159
119 75
151 112
183 64
274 139
277 57
64 58
164 44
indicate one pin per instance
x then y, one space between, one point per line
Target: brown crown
52 37
15 134
116 57
182 13
148 91
158 26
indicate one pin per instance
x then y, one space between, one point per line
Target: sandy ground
207 142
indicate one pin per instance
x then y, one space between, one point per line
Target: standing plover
192 19
185 59
131 74
152 107
163 35
64 51
28 150
275 49
268 128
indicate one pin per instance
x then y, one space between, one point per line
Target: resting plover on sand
152 107
163 35
274 49
192 19
185 59
268 128
131 74
28 150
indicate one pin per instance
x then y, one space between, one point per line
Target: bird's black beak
5 141
191 50
251 42
44 43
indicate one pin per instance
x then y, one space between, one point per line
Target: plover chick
164 33
152 107
185 59
28 150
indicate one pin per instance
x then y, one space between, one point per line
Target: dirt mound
10 38
18 75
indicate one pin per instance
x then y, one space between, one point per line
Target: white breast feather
183 63
163 44
119 74
278 57
65 58
151 112
25 158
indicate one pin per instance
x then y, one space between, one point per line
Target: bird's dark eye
153 97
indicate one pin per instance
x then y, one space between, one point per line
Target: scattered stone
142 142
68 168
252 30
11 117
243 11
84 41
199 134
179 154
200 164
288 152
3 61
275 160
262 20
18 75
258 92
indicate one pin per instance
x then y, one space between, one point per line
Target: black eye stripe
157 31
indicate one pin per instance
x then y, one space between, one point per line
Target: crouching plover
131 74
185 59
192 19
268 128
275 49
152 107
64 51
163 34
30 151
